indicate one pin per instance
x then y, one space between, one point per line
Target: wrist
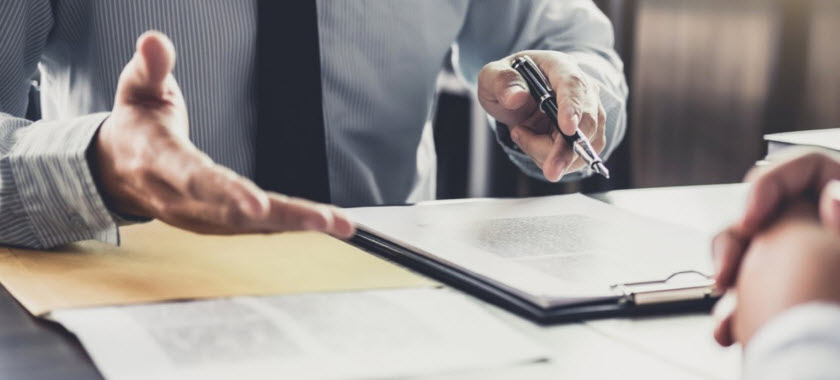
103 176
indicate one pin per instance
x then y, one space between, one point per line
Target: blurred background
707 80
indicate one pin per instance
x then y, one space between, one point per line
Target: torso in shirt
379 60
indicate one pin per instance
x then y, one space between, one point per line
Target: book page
551 250
351 335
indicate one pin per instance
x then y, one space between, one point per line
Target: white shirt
801 343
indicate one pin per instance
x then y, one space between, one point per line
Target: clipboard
657 297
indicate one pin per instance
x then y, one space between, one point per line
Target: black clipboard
631 300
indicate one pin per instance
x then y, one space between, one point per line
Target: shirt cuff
800 343
55 183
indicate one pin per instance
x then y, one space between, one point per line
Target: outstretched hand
145 164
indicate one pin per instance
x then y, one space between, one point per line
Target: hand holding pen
506 95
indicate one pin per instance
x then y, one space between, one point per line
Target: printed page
550 250
373 334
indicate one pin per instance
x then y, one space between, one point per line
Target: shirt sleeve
801 343
47 193
495 29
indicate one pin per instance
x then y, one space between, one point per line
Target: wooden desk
665 347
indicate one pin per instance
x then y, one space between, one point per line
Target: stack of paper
373 334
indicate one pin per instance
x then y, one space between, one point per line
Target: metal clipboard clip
681 286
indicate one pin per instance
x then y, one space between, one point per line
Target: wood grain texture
700 83
822 80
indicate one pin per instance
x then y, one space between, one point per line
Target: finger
593 128
343 227
295 214
207 217
600 141
724 313
602 128
559 159
499 83
577 163
568 117
723 332
788 180
571 87
196 177
589 125
146 73
728 249
535 145
829 207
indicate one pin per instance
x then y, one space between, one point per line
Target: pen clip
535 79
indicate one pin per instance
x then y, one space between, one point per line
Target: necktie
290 148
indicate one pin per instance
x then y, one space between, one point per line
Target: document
158 262
345 335
550 250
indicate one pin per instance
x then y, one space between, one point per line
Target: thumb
501 86
145 75
513 92
830 206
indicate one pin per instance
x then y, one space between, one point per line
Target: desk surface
668 347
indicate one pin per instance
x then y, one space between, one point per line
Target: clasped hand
785 249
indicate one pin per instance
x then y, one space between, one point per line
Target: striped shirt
379 64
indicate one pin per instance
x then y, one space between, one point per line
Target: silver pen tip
601 169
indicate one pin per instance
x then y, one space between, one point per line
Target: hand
794 261
802 175
145 165
504 95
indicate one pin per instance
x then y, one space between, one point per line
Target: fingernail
571 111
561 166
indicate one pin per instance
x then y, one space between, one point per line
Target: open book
550 258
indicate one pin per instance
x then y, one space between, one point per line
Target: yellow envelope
157 262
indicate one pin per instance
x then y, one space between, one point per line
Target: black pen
544 96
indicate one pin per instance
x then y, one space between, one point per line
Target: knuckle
164 208
289 219
234 216
132 165
489 70
507 75
193 184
